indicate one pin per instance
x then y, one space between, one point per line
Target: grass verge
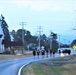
10 56
38 68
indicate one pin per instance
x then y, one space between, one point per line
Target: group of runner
43 52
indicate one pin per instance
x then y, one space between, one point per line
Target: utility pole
23 23
40 30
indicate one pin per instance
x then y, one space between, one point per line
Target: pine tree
5 29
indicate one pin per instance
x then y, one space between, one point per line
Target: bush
7 52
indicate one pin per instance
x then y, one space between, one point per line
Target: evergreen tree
5 29
43 40
55 45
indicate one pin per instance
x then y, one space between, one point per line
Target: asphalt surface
11 67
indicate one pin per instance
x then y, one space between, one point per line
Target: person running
50 53
59 51
47 53
38 52
34 53
43 53
53 53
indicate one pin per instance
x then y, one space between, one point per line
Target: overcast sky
56 15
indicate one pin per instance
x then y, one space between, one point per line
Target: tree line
28 37
34 40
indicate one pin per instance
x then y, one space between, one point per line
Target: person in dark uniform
34 53
47 51
38 53
53 53
59 51
43 53
50 53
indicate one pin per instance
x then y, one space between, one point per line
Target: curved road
11 67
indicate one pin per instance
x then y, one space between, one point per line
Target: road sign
74 47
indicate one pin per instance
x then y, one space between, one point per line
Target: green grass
47 70
39 69
43 69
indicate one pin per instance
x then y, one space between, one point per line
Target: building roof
12 43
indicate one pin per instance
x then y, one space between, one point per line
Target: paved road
11 67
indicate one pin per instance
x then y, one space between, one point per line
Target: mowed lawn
57 66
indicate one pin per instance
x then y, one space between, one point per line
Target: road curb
19 72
